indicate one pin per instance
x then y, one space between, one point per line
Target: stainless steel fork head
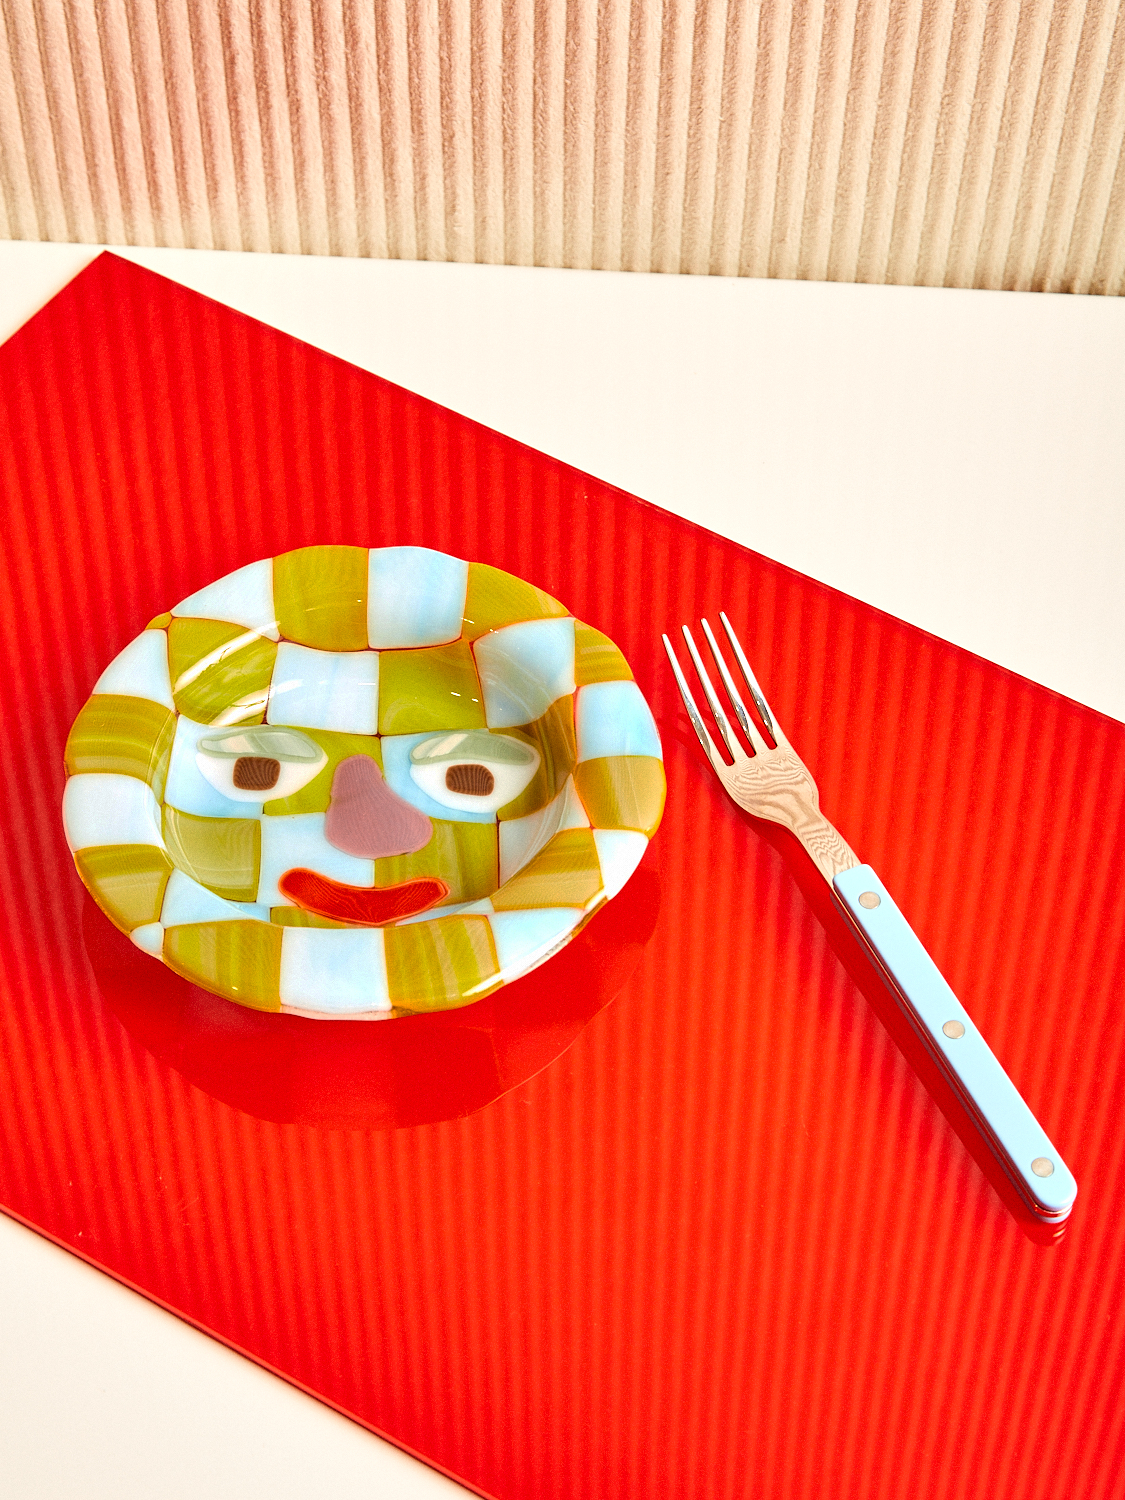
772 781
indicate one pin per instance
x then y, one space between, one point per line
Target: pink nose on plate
367 819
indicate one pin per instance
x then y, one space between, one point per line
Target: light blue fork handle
1014 1133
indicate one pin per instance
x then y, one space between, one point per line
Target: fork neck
824 846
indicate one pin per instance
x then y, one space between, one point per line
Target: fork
774 783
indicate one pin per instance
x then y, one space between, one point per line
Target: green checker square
338 746
293 916
464 855
126 880
441 964
622 791
495 598
433 687
596 658
566 872
208 680
239 960
122 736
320 594
553 736
224 854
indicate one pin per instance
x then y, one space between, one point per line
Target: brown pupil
470 781
256 773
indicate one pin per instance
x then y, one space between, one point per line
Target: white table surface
956 458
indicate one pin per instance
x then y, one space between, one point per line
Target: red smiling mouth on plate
363 906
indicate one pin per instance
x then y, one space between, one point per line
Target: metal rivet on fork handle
870 900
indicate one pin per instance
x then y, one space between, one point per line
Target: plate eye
472 780
260 762
256 773
473 770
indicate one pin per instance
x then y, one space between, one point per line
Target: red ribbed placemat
673 1217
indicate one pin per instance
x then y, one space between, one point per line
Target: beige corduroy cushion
942 142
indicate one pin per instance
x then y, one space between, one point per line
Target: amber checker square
365 652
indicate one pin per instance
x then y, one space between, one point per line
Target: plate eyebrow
474 745
268 742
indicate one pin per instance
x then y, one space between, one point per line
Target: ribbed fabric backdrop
941 142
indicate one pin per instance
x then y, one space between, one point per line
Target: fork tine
717 762
752 683
717 711
749 728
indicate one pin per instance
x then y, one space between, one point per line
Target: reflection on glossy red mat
717 1238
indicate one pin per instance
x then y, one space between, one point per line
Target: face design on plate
352 782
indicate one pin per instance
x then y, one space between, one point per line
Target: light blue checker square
396 773
244 597
612 718
101 808
325 689
523 669
334 971
188 789
525 938
141 670
298 842
186 901
415 597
